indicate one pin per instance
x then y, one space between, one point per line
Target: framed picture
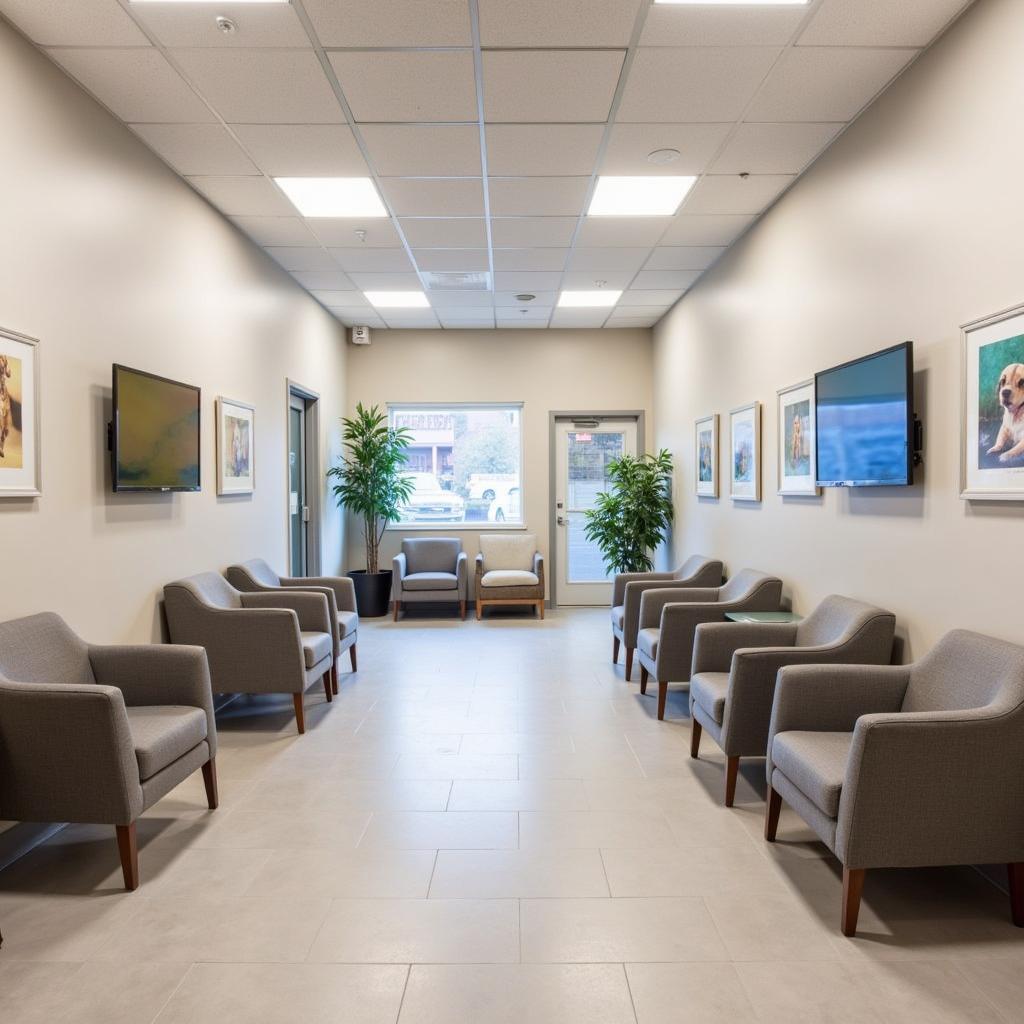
706 456
796 441
745 453
20 456
992 407
236 447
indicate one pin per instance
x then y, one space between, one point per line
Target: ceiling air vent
477 281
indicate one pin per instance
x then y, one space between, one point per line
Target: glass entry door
583 450
298 506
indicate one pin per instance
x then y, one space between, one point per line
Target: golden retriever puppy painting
1010 395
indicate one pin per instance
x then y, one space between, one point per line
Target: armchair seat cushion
709 689
163 733
316 647
430 581
509 578
647 641
348 623
619 617
815 762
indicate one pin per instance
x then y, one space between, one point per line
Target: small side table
763 617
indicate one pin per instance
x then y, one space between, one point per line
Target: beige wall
547 370
107 256
909 226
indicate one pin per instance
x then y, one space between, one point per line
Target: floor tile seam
167 1002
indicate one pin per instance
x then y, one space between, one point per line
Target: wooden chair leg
853 886
771 815
479 609
629 663
615 650
662 697
398 605
695 733
352 657
328 689
732 770
643 679
1015 875
462 610
210 781
300 712
128 848
334 677
540 607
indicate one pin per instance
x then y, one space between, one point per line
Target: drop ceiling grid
643 277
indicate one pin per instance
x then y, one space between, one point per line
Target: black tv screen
155 433
865 420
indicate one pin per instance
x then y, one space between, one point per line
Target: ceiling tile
730 194
537 197
74 22
408 86
276 230
651 313
449 298
550 85
435 197
879 22
457 260
627 231
579 317
372 259
530 259
137 85
196 148
362 317
303 150
294 257
239 195
538 149
543 301
324 280
333 297
774 148
380 281
482 312
398 322
684 257
262 86
704 230
694 84
608 260
673 279
445 233
467 325
531 232
587 279
564 23
825 83
194 24
537 281
408 150
378 232
523 324
650 297
390 22
630 144
615 321
721 26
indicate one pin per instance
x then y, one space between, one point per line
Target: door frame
311 400
561 415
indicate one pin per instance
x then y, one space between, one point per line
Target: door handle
561 520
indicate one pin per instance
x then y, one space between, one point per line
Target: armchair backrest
839 618
508 550
43 649
744 584
209 588
705 572
248 575
964 671
431 554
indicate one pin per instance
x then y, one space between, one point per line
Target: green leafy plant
372 481
632 519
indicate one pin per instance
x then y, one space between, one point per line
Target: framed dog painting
20 457
706 456
796 447
236 447
745 452
992 413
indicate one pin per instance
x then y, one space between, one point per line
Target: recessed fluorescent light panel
640 196
332 197
398 300
589 300
736 3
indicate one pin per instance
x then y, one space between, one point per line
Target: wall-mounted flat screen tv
865 420
155 442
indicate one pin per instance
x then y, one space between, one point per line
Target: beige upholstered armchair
99 734
509 570
667 626
696 571
428 570
256 576
906 766
271 642
732 682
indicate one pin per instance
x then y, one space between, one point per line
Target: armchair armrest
631 596
679 624
653 601
622 579
462 574
716 642
310 608
399 568
342 587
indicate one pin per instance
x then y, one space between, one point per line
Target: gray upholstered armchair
906 766
99 734
430 569
255 576
667 626
696 571
732 682
273 642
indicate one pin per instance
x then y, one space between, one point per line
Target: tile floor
487 825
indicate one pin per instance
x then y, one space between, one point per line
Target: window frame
466 527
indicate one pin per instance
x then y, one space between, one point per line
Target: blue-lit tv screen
865 421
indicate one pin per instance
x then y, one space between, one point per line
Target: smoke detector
663 156
525 297
226 25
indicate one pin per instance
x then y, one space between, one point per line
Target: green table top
763 617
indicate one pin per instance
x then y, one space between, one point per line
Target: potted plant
372 484
632 519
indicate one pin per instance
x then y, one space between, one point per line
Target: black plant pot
373 592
